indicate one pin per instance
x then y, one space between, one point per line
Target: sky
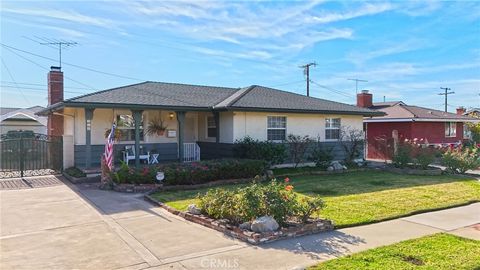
405 50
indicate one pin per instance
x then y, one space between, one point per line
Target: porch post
181 128
216 115
137 118
88 137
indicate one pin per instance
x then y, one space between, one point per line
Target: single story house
15 119
409 122
204 119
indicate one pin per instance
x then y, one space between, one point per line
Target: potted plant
117 135
156 126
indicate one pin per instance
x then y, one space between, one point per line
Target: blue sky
406 50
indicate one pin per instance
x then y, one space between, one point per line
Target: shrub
403 156
275 199
321 155
298 146
249 148
211 170
130 175
306 206
75 172
352 140
461 159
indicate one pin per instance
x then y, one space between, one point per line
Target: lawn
366 196
439 251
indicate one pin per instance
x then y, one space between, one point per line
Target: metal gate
24 153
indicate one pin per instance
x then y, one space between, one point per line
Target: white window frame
333 128
207 126
131 129
276 128
449 129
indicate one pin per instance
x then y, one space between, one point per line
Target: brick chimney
461 110
55 95
364 99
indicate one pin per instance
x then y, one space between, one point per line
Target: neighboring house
14 119
411 122
211 117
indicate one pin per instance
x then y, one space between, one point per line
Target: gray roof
183 96
28 114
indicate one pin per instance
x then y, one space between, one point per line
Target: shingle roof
174 95
400 110
264 98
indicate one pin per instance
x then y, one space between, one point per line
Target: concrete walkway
66 226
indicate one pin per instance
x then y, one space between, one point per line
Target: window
332 128
126 125
276 128
450 129
211 127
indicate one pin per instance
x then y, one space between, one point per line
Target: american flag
109 148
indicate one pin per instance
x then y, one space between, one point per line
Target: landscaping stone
264 224
193 209
269 174
336 166
245 226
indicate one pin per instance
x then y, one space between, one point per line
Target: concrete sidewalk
81 227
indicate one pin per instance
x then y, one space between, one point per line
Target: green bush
275 199
403 157
75 172
130 175
461 159
210 170
298 146
424 157
322 156
249 148
307 206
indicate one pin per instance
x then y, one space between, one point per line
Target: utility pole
306 71
446 93
356 83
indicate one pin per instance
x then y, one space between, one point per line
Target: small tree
352 141
321 154
298 146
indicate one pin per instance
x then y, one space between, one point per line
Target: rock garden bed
244 232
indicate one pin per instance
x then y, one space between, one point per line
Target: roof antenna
54 43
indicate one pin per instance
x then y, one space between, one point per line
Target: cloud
69 16
359 58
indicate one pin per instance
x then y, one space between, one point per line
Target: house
208 118
409 122
15 119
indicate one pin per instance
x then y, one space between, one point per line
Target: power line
446 93
356 83
60 44
37 89
11 76
333 90
40 84
42 67
288 83
306 71
74 65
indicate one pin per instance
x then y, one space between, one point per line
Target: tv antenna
57 44
356 83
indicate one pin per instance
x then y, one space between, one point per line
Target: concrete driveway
81 227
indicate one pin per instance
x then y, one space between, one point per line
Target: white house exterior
15 119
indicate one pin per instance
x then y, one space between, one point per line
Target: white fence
191 152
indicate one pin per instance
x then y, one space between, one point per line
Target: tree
352 141
298 146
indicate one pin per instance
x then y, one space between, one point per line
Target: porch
186 135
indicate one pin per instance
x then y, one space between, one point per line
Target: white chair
129 154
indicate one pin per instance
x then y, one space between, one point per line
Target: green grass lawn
439 251
366 196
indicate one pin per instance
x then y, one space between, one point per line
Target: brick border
320 225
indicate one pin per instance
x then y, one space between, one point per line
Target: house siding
434 132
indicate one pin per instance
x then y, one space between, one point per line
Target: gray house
200 121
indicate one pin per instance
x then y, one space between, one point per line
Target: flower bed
295 230
258 212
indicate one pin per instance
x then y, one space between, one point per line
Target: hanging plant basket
156 126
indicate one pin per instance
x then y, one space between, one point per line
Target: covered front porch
186 134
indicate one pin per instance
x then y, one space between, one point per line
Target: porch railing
191 152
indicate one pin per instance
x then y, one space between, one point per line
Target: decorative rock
193 209
330 168
264 224
337 166
245 226
269 174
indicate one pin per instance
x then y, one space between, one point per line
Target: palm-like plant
156 126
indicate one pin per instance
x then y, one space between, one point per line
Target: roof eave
253 109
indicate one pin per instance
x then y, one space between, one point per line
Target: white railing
191 152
